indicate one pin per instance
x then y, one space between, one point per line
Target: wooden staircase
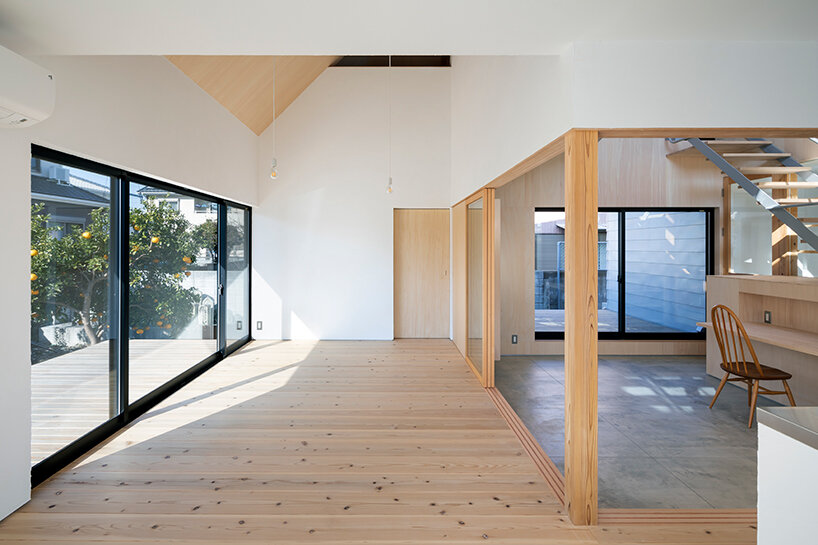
756 165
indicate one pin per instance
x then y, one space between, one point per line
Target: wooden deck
330 442
69 393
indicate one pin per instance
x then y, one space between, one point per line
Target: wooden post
784 240
581 264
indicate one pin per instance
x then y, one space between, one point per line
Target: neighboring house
67 198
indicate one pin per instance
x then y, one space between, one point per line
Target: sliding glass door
237 297
137 286
73 385
652 267
173 284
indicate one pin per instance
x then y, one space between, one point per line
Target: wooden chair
732 339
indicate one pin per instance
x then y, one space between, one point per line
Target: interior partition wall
137 287
479 267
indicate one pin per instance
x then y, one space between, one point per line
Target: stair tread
755 155
773 170
787 185
796 201
749 143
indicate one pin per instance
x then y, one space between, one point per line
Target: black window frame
124 411
622 333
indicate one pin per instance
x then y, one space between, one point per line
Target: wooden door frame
486 373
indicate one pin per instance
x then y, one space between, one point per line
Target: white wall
322 238
136 112
695 84
787 485
503 110
506 108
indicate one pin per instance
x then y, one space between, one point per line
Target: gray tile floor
659 444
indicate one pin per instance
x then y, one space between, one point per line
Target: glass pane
751 228
238 275
666 267
173 285
71 299
474 272
549 271
807 261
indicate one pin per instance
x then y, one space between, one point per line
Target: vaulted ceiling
244 83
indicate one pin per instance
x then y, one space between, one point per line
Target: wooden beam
711 132
546 153
581 212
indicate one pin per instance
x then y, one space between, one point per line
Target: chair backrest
732 339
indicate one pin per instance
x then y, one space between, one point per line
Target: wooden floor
69 393
330 442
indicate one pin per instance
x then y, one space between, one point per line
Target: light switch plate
768 317
258 325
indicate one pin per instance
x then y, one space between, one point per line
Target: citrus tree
70 274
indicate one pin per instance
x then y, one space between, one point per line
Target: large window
652 267
136 287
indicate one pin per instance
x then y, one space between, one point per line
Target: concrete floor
659 444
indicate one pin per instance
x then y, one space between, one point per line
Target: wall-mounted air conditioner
27 91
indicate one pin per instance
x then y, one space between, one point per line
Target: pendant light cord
274 106
389 110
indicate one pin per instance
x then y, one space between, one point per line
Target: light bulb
389 187
273 171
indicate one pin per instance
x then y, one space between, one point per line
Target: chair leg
718 391
749 392
753 403
789 393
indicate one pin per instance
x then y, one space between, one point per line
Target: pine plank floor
330 442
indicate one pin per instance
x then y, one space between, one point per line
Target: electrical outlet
768 317
258 325
514 339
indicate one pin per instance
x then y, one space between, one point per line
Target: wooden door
421 273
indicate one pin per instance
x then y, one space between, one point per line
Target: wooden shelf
791 339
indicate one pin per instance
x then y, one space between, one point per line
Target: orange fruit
176 275
139 331
147 328
167 326
187 273
186 259
105 256
154 240
35 292
86 235
159 323
33 277
156 261
136 228
34 252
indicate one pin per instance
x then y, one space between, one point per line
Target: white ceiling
348 27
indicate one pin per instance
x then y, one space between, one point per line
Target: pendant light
389 124
273 162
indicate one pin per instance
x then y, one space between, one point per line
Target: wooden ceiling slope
244 83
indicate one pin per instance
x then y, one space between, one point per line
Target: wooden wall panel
459 276
421 274
632 172
581 360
